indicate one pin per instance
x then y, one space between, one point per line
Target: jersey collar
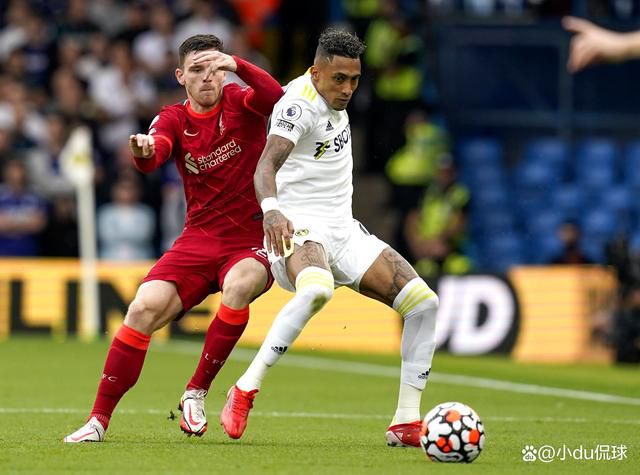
206 115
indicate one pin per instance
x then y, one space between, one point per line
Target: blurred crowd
109 64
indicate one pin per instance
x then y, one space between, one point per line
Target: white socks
418 305
314 288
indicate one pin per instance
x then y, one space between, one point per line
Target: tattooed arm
276 225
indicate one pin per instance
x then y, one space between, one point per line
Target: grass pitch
317 413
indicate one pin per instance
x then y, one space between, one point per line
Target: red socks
129 348
121 371
223 334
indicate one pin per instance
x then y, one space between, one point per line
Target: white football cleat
194 417
92 431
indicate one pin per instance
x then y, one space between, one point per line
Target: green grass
297 425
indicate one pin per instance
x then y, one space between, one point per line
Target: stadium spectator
360 13
309 207
136 22
60 236
69 98
22 212
216 138
412 167
95 58
206 18
624 257
44 161
253 16
126 226
13 35
18 113
569 235
111 15
121 166
76 22
394 57
174 207
124 93
152 47
435 231
7 141
298 23
241 46
38 51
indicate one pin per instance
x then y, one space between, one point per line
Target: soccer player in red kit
215 137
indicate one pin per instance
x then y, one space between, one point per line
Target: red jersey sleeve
263 92
163 129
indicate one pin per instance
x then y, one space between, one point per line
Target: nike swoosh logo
190 134
190 419
82 436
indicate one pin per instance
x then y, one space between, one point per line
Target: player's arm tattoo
275 153
401 272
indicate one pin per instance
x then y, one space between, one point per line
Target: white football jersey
316 179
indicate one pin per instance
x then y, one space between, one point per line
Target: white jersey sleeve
292 118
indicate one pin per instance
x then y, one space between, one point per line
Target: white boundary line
351 367
315 415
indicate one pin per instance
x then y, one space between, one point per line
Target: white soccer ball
452 432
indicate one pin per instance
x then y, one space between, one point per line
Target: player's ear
314 72
180 76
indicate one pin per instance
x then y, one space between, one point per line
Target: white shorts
350 250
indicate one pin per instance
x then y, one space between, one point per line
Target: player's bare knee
239 292
143 316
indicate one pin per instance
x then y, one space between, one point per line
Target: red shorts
198 263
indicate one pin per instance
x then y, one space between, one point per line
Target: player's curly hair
336 42
198 43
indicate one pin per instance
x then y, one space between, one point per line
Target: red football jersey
216 153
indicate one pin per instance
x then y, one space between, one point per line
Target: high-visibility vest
416 162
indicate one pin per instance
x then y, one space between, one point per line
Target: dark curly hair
198 43
335 42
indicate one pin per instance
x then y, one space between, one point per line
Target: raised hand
214 61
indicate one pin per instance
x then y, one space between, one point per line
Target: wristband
269 204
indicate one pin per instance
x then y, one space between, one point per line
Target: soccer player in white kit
304 184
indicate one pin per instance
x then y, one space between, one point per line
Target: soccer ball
452 432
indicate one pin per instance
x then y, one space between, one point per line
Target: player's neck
199 109
315 84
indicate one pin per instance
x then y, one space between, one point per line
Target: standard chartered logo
190 164
219 155
550 453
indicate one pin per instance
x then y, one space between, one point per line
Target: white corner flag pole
77 164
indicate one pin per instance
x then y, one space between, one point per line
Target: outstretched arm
277 228
592 44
